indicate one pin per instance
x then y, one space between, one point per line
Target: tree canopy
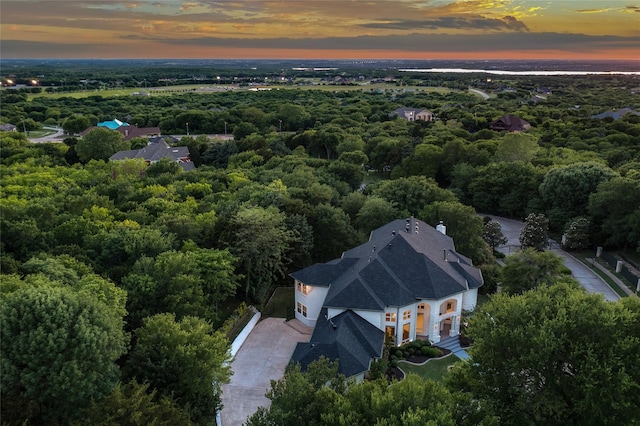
555 355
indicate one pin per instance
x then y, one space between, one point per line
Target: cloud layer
100 28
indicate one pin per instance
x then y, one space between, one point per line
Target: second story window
390 317
304 289
406 315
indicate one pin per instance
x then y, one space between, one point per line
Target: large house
407 282
155 151
413 114
510 123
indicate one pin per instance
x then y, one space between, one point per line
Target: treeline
111 271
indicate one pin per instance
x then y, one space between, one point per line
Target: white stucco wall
376 318
469 299
239 340
313 300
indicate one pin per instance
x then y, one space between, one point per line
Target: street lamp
187 129
225 128
280 125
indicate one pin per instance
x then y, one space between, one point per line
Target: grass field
200 88
433 369
34 134
280 304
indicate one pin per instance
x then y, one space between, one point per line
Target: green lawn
208 88
34 134
582 256
280 304
433 369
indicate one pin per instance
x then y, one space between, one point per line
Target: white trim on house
423 322
313 299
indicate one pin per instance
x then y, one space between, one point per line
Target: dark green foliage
463 225
492 234
185 360
59 348
555 355
430 351
577 234
534 232
529 269
566 190
99 144
134 404
317 397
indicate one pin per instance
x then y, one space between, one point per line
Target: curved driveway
591 281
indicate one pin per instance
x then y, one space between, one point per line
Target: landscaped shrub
399 354
378 368
431 352
394 363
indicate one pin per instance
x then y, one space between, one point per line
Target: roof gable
510 123
323 274
157 151
346 338
402 262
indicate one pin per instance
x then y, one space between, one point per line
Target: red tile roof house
156 151
407 282
129 132
510 123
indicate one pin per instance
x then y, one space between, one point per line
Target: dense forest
111 270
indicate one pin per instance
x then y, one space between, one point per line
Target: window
304 289
302 309
406 315
449 306
390 317
406 330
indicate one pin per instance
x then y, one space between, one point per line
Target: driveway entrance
262 358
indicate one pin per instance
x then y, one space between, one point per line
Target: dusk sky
342 29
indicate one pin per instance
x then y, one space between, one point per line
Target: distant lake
502 72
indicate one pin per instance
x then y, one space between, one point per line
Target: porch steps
453 344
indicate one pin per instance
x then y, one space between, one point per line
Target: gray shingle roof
616 115
394 268
346 338
156 152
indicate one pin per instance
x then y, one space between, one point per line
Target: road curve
591 281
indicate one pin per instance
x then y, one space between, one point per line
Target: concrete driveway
262 358
591 281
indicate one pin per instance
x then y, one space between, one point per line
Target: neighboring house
510 123
8 127
129 132
407 282
413 114
113 124
156 151
617 115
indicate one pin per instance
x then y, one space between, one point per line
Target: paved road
591 281
479 92
262 358
56 137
